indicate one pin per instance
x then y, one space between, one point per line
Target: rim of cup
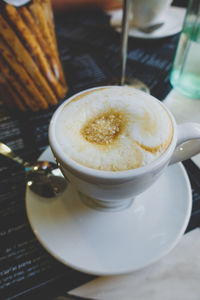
82 170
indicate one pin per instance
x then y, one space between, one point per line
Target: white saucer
173 24
110 243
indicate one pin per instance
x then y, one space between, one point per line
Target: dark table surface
89 52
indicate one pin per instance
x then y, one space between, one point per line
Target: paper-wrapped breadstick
35 48
37 11
29 56
40 11
51 57
20 73
24 57
25 99
6 97
9 95
47 9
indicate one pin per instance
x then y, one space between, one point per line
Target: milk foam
136 130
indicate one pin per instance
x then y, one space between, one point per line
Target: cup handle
188 142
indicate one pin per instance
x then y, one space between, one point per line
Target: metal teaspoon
44 178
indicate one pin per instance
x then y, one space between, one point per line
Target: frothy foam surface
112 129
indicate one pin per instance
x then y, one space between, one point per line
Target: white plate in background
173 24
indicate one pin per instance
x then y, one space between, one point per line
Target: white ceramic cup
116 190
148 12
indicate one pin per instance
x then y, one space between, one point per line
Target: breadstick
34 47
28 18
27 82
12 95
9 92
6 97
51 56
47 9
38 14
37 11
23 57
13 82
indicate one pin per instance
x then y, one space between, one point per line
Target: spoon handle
124 38
7 151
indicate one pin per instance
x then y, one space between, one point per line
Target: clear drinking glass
185 72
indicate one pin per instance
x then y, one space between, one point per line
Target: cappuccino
111 129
